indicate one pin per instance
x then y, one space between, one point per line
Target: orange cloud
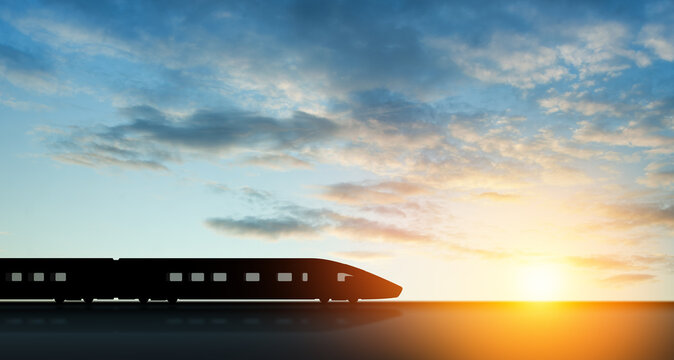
361 255
621 280
494 196
603 263
380 193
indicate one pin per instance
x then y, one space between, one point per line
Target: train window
60 277
285 277
341 277
16 277
305 277
220 277
197 277
175 277
252 277
38 276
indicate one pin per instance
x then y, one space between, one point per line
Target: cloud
452 250
297 221
639 215
95 160
565 104
535 57
511 59
217 187
74 36
22 105
627 279
663 260
362 255
26 70
390 108
255 194
293 220
91 147
220 131
500 156
269 228
349 46
618 216
277 162
603 262
494 196
601 48
373 106
634 134
361 229
379 193
385 210
658 38
151 138
658 175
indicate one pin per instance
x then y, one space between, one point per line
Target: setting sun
542 282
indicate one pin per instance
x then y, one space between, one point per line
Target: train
173 279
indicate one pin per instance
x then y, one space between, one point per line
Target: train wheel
353 300
143 300
324 300
59 300
88 300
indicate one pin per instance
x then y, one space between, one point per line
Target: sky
464 150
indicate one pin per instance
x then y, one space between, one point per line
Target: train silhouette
189 279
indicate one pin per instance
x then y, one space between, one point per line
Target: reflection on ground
186 317
370 330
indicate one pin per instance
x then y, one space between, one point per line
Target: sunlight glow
541 282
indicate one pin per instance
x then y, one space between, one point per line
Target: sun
541 282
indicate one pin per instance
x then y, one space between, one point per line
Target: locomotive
173 279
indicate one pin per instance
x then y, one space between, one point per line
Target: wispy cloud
626 279
362 229
152 138
21 104
507 58
384 210
494 196
217 187
661 263
276 161
567 104
637 215
658 38
658 175
634 134
293 221
371 194
255 194
604 262
602 49
269 228
26 70
361 255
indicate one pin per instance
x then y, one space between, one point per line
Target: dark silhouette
173 279
194 317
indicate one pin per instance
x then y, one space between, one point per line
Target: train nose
394 290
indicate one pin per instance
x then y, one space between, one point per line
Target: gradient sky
464 150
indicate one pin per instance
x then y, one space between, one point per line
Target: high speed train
188 279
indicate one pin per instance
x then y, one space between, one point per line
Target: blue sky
455 148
